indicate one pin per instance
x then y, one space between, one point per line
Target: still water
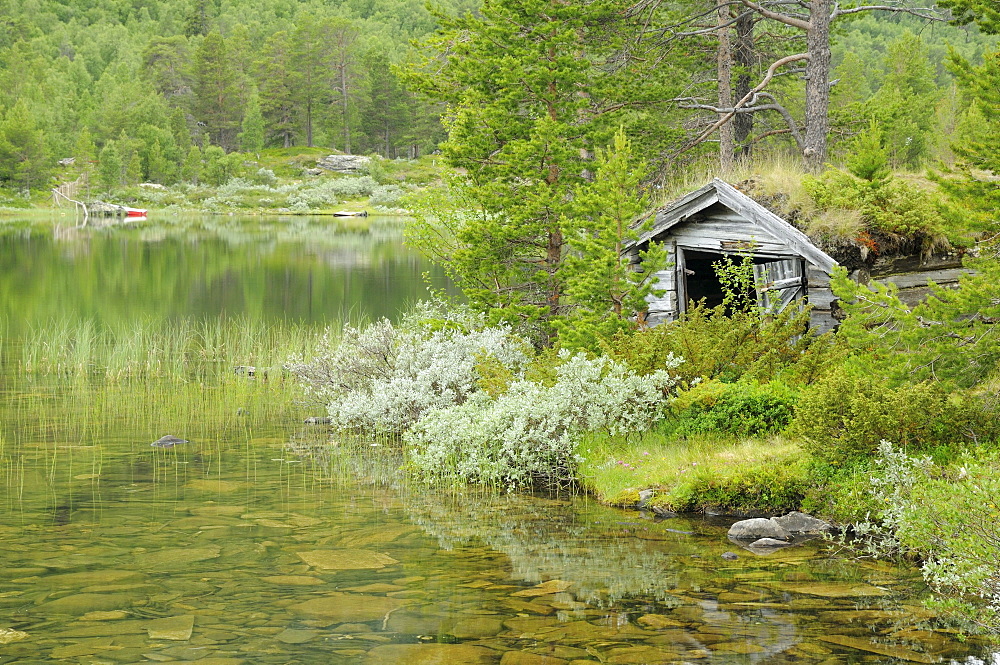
264 540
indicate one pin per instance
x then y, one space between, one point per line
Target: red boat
135 212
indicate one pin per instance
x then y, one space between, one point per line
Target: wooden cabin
718 220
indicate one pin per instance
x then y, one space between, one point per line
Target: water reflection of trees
305 269
607 554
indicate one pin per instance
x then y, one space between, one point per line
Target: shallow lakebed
265 540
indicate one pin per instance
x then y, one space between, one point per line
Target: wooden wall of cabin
664 307
911 274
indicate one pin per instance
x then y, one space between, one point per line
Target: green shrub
743 409
896 213
843 417
731 346
751 488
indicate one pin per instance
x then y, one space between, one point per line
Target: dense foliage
143 91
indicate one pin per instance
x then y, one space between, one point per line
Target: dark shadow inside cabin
701 280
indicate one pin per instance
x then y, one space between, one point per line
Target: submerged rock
765 546
171 628
8 635
83 603
428 654
342 607
168 441
346 559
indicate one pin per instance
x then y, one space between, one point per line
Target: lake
262 539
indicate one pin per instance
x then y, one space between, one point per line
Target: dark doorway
702 282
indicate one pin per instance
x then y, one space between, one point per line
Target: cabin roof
756 216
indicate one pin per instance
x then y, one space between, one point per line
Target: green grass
699 473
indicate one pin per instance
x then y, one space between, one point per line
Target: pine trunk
727 142
817 84
744 58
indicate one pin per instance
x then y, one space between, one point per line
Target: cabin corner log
718 220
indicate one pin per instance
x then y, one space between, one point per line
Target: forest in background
165 91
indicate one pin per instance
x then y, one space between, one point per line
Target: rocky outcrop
782 528
797 522
757 528
344 163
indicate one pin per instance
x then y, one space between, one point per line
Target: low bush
744 409
383 378
760 487
730 346
947 518
899 215
528 434
842 418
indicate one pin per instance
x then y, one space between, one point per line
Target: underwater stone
343 607
430 654
168 441
346 559
171 628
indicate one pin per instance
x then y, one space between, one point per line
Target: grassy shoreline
703 473
274 182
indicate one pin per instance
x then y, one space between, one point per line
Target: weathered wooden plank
655 319
665 279
795 239
821 321
919 279
780 284
815 277
821 298
890 264
711 238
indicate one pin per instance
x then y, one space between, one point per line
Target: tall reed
154 349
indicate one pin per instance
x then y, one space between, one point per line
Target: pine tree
606 295
23 155
216 93
277 92
191 169
110 168
386 110
973 181
252 136
527 98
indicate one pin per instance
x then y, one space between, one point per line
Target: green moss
626 498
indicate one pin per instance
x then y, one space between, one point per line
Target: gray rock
663 512
645 496
768 543
344 163
318 420
730 556
756 528
797 522
168 441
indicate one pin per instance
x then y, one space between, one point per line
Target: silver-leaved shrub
528 434
381 379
